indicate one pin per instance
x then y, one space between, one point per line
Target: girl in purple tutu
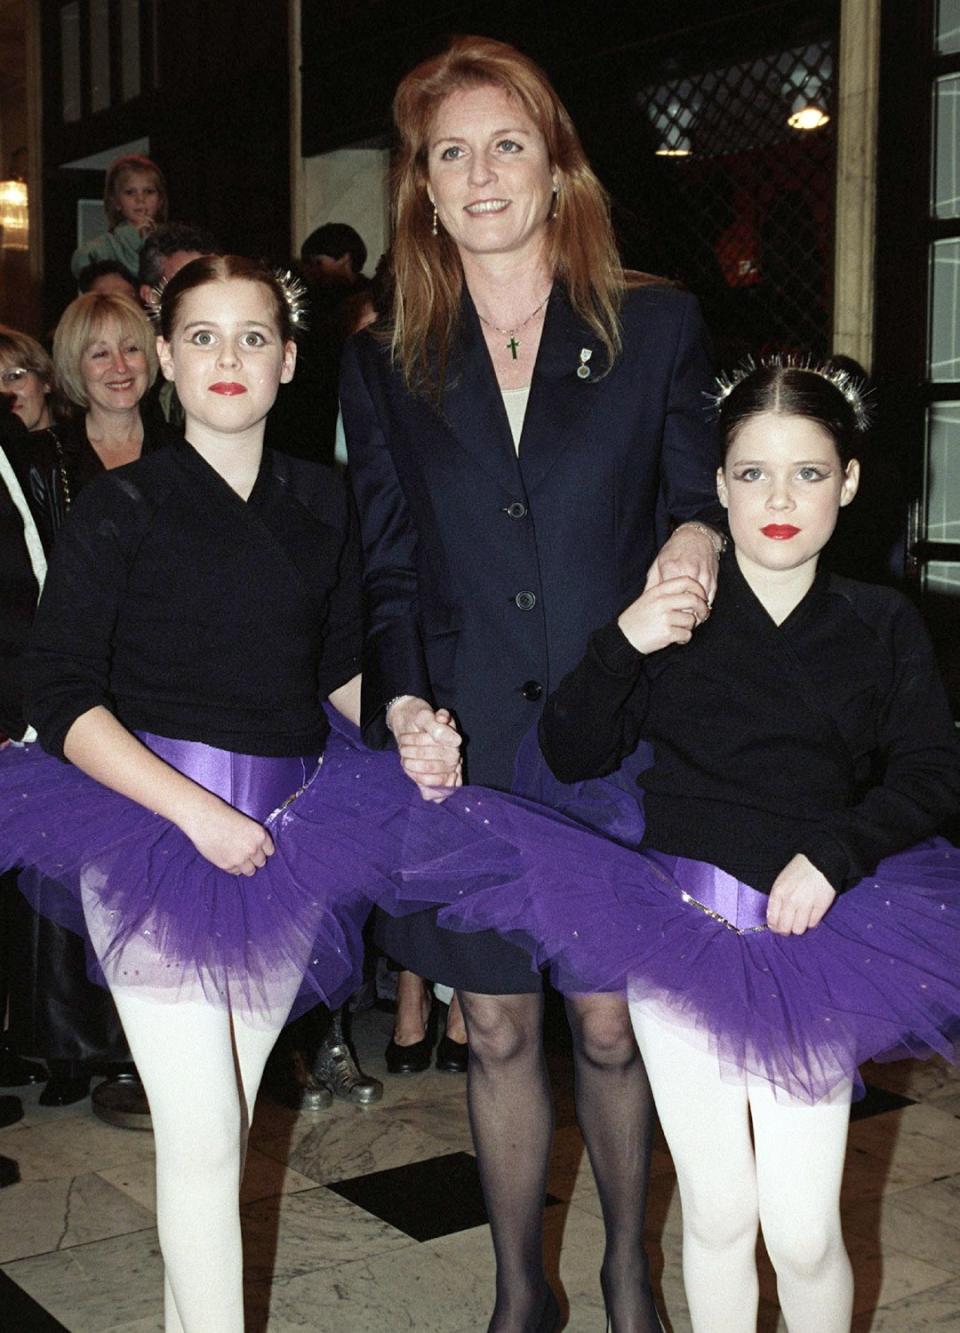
800 735
202 605
790 914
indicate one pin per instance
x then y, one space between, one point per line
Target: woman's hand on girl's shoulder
800 898
693 549
664 613
226 838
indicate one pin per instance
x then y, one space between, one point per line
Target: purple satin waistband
712 889
256 784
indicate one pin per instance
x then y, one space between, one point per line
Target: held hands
429 746
694 551
664 613
228 839
799 899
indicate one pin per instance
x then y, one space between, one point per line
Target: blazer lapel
473 407
560 400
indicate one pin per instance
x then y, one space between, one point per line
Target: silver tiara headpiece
294 292
851 386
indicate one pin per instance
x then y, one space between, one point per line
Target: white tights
201 1067
787 1179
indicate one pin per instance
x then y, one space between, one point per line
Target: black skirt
483 962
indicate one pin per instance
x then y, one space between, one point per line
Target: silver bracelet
389 704
708 531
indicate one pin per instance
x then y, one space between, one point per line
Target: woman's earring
555 202
434 228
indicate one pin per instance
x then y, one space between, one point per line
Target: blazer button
525 601
532 690
516 510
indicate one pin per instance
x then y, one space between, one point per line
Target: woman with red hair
525 430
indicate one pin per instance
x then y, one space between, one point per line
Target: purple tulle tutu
878 979
159 916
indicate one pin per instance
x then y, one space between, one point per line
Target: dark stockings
616 1115
511 1116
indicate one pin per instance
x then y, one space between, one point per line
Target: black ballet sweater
193 614
829 735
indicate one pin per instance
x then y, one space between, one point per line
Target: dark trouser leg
616 1115
511 1115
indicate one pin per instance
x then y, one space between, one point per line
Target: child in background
135 201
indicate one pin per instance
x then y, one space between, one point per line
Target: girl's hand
146 225
226 838
799 899
429 746
664 613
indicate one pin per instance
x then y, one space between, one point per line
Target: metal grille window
938 523
750 150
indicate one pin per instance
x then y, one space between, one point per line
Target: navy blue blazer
485 571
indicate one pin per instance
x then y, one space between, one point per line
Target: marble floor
362 1219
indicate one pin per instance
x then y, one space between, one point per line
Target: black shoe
11 1110
62 1090
551 1320
408 1059
452 1055
15 1072
9 1172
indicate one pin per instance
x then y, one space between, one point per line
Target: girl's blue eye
749 474
202 338
254 340
811 474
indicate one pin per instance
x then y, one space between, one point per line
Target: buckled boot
337 1070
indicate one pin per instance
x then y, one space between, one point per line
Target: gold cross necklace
513 345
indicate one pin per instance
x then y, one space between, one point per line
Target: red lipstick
228 388
780 532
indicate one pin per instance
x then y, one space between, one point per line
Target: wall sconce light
14 219
806 91
808 110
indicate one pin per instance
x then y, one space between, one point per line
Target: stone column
858 80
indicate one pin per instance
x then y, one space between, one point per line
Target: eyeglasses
12 379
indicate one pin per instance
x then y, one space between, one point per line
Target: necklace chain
517 327
513 344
